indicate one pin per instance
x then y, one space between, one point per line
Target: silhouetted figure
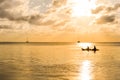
94 48
88 48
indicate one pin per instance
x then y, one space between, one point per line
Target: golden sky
60 20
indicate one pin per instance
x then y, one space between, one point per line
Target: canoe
89 49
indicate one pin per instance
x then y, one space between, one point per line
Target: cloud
115 7
59 3
21 17
5 27
98 9
9 10
106 9
106 19
16 10
5 6
109 14
55 17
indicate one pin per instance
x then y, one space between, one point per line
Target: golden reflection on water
85 71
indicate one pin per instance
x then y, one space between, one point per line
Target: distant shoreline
57 42
40 43
54 42
60 43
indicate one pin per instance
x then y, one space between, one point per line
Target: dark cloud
98 9
58 3
106 9
26 18
109 14
4 13
115 7
1 1
106 19
5 27
5 6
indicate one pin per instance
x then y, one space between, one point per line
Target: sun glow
82 7
84 45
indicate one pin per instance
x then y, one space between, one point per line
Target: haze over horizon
60 21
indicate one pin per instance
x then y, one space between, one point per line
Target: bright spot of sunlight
82 7
84 45
85 70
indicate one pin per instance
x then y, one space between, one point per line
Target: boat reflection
85 71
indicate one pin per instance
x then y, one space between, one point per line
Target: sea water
59 61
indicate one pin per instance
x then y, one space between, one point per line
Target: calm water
59 61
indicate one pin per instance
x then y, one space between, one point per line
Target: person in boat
88 48
94 48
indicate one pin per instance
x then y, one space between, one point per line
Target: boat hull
90 49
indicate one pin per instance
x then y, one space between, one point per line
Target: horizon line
54 41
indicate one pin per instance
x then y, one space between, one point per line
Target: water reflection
85 45
85 71
63 62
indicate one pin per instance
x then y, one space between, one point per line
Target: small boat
85 49
27 41
94 49
88 49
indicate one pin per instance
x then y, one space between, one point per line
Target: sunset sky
60 20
